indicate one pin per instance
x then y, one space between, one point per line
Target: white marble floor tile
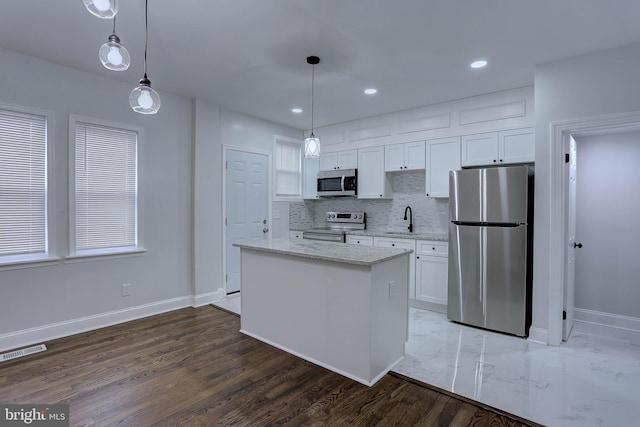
591 380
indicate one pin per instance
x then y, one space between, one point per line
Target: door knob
265 230
577 245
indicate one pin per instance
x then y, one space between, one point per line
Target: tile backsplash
429 215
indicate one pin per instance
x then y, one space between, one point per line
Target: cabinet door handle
417 257
393 244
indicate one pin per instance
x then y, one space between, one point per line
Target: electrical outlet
126 289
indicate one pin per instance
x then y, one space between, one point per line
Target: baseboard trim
607 319
425 305
25 337
208 298
538 335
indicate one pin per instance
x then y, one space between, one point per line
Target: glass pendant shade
144 99
113 55
312 146
105 9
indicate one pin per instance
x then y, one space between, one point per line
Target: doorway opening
607 208
561 291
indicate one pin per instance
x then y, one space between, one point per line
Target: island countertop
326 251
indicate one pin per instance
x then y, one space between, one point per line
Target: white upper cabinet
480 149
310 178
407 156
504 147
347 159
443 155
373 182
517 146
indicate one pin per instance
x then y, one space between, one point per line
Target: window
104 194
288 168
23 185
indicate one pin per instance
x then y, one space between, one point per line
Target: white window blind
23 184
106 188
288 171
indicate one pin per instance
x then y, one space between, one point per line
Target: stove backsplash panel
429 215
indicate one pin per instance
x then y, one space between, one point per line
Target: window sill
287 199
29 263
103 255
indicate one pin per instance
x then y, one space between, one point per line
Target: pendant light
312 143
105 9
112 54
143 98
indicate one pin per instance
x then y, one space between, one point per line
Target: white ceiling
250 55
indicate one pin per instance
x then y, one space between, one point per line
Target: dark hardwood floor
192 367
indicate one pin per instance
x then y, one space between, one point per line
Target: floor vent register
22 352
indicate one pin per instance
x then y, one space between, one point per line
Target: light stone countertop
439 237
326 251
400 235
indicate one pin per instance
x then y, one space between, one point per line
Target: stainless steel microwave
341 182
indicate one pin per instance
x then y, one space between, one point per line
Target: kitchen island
343 307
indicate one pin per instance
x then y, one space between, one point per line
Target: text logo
34 415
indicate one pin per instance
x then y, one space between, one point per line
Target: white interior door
247 199
570 271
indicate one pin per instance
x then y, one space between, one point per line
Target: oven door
323 236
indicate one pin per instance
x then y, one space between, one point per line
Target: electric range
338 223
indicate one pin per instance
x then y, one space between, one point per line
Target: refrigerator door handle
483 274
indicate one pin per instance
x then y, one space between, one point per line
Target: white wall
39 296
607 211
181 187
214 128
596 84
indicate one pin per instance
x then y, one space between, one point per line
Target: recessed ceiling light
371 91
478 64
296 110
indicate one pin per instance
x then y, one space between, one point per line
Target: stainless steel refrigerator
490 248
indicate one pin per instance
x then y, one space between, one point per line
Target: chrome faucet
410 227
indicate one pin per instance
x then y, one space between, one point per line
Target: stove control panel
346 217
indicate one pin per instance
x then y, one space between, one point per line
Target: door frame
223 227
558 204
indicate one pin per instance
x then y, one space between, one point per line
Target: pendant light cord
146 34
313 67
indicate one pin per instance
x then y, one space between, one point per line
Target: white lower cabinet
353 239
428 268
431 272
387 242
